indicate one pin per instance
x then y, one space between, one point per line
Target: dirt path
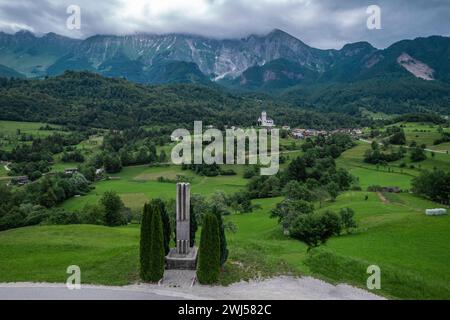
383 198
6 166
407 147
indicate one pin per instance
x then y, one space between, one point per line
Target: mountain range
408 76
275 60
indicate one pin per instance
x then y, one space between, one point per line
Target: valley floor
411 249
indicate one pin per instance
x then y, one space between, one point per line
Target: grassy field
32 128
392 175
141 183
369 175
412 250
105 255
423 133
10 132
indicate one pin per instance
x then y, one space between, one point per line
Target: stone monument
183 257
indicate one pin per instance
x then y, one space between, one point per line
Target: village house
392 189
20 181
305 133
70 171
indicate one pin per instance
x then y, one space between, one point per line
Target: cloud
319 23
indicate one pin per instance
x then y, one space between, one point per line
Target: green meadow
32 128
369 175
411 249
391 175
10 132
424 133
137 185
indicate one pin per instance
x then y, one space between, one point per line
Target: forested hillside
86 99
383 94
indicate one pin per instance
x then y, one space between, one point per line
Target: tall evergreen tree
193 226
167 231
152 244
145 242
209 255
223 240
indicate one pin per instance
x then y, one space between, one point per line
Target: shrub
347 219
315 230
227 172
62 217
288 210
93 214
332 224
375 188
113 209
209 255
295 190
434 185
418 155
152 244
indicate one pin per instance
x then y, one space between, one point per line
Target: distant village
302 133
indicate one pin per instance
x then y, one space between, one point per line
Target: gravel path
279 288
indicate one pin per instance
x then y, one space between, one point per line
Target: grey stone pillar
183 218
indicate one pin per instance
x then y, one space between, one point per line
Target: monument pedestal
177 261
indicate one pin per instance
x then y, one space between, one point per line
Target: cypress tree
166 224
145 242
223 239
193 226
152 244
209 253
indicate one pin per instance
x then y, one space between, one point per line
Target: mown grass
105 255
142 181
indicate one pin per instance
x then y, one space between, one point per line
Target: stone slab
175 261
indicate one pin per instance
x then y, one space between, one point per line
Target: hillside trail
408 147
383 198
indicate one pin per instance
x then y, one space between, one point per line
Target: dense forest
383 94
86 99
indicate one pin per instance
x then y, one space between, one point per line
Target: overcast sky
319 23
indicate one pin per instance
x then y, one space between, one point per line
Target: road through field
279 288
407 147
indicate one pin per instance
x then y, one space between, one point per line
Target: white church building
265 121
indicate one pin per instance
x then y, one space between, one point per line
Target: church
264 121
